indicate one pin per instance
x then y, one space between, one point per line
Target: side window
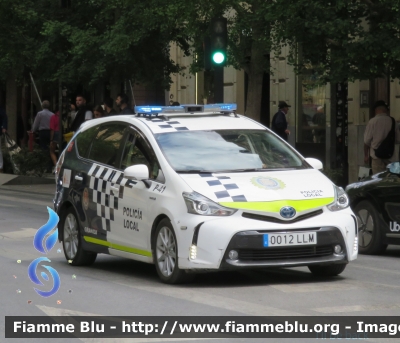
106 144
84 140
137 151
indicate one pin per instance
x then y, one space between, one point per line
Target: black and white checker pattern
101 181
224 188
172 124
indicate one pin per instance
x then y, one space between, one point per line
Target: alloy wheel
166 251
366 228
70 236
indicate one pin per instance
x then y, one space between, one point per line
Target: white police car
193 188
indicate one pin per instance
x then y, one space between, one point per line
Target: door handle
78 178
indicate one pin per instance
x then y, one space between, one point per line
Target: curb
12 180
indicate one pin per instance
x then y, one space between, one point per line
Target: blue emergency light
155 110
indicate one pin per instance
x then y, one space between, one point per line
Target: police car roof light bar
155 110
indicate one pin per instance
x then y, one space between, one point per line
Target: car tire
328 270
166 255
72 241
370 236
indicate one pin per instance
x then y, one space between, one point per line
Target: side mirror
316 164
394 168
138 172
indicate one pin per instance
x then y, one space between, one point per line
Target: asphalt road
114 286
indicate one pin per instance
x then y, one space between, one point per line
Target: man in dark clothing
122 102
108 107
3 130
279 121
82 114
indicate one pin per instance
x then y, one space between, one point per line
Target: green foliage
90 42
337 40
341 40
32 163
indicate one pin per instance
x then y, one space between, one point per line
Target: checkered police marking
106 198
172 124
224 188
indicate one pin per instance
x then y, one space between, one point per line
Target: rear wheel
370 240
166 255
72 241
329 270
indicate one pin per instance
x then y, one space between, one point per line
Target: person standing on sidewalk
83 113
108 107
279 121
42 124
122 102
3 130
377 130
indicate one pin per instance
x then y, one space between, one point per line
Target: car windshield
227 151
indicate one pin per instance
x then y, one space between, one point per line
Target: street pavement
114 286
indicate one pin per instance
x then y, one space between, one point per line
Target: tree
341 40
19 29
95 39
98 39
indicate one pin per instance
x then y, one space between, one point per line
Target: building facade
326 122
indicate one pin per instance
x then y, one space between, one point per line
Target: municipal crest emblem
267 182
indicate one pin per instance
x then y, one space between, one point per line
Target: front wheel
166 255
369 232
72 241
329 270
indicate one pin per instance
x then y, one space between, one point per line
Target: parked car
376 202
198 188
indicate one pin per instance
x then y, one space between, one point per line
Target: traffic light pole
219 84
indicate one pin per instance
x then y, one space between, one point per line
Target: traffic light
218 41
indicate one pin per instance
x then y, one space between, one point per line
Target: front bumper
217 236
252 253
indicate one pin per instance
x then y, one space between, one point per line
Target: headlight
198 204
341 200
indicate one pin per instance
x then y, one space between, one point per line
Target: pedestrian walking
108 107
122 102
3 130
279 121
380 137
98 112
42 124
54 136
82 114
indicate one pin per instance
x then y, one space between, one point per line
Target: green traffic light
218 57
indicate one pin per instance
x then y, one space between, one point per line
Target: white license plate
286 239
